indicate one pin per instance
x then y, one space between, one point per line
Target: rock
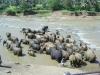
17 63
7 71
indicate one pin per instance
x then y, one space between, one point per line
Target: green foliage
20 6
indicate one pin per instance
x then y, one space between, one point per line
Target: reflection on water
86 30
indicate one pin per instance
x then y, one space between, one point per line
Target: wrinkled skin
90 56
55 54
78 59
17 51
72 60
30 35
61 39
24 41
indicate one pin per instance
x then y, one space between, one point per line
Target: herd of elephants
53 44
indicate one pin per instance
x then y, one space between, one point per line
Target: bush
11 11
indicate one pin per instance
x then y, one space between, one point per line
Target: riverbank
35 69
64 24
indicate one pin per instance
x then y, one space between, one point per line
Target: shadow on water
96 62
23 55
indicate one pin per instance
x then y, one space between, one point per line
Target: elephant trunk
4 42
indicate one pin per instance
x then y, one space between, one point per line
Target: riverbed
87 30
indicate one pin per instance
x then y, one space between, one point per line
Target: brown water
84 29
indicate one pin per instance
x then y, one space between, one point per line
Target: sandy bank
34 69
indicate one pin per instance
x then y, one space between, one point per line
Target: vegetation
14 7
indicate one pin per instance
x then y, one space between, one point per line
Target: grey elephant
13 39
26 30
35 46
7 42
30 35
8 34
72 60
24 41
79 59
89 55
59 46
55 54
16 44
17 51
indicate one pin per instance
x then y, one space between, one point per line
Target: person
62 61
0 61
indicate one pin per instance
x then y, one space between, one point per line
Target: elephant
59 46
16 44
89 55
65 54
35 46
72 60
25 30
70 40
75 48
67 45
17 51
47 44
70 51
13 39
61 39
31 53
52 37
45 28
24 41
41 32
34 31
83 45
8 34
57 32
7 42
68 36
30 35
79 59
55 54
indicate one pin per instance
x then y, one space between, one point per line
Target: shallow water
83 29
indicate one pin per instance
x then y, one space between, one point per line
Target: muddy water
80 29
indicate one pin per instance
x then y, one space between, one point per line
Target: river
80 29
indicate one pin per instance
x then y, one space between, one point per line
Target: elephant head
8 34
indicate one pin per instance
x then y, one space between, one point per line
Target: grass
43 11
43 15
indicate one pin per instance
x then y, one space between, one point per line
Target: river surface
80 29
